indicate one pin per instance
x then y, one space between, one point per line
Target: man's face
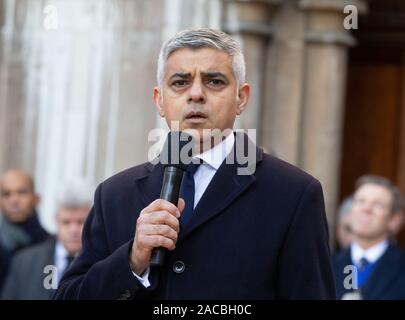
17 199
200 91
371 213
69 224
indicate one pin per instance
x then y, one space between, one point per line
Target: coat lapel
342 260
48 260
224 188
149 183
385 272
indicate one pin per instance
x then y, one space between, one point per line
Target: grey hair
203 38
344 208
76 193
397 203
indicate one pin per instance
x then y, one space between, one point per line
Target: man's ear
157 98
396 222
37 199
243 97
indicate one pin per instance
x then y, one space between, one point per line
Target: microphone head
177 150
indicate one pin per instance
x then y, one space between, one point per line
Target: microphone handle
170 192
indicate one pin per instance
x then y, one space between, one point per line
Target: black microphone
176 156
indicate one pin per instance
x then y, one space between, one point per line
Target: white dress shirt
60 260
212 160
371 254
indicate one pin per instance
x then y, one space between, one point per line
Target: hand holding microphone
157 226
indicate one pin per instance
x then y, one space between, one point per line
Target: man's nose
367 207
14 198
196 93
73 230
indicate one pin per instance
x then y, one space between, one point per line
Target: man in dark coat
258 233
19 224
373 267
35 271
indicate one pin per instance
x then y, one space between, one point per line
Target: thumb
181 204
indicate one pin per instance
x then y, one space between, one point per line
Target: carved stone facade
76 100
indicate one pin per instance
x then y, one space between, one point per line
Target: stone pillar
249 22
281 116
324 77
305 89
75 96
12 93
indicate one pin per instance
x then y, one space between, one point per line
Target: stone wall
75 100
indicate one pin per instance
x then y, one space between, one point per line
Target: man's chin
17 217
199 134
72 249
367 236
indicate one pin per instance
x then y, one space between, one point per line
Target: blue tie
363 264
364 272
187 191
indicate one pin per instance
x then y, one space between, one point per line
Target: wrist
136 266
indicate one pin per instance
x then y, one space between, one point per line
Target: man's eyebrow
214 74
182 75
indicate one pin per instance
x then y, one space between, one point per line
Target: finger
181 205
160 204
159 229
159 218
156 241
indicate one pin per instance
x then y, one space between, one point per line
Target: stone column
75 96
281 116
305 89
249 22
12 93
324 77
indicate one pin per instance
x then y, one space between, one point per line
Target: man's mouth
14 210
196 117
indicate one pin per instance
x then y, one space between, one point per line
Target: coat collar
385 273
225 187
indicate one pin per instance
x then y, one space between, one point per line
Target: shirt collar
60 251
216 155
371 254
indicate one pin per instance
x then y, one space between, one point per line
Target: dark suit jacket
260 236
387 282
15 237
4 262
25 280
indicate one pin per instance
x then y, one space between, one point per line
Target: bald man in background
19 224
28 278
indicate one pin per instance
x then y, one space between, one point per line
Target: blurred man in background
36 271
379 271
19 224
343 228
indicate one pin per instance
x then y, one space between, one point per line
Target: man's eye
380 205
179 83
22 192
215 82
